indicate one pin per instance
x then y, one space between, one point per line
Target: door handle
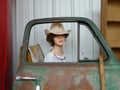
29 78
26 78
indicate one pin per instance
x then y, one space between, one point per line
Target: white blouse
51 57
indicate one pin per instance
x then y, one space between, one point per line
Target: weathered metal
67 76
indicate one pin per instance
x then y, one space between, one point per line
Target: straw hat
57 29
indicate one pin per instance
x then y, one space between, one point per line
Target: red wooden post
5 45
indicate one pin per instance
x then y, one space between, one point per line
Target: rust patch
85 85
66 80
27 85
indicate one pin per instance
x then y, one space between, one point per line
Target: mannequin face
59 40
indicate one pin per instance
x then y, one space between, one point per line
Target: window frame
80 20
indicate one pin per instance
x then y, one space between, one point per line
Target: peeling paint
68 76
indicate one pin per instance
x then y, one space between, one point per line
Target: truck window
80 46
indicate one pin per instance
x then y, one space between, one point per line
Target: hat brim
62 33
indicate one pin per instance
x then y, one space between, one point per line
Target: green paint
91 75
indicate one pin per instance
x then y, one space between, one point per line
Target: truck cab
82 73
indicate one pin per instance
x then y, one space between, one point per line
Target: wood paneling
113 34
113 10
110 24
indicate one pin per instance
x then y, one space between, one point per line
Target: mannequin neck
58 50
